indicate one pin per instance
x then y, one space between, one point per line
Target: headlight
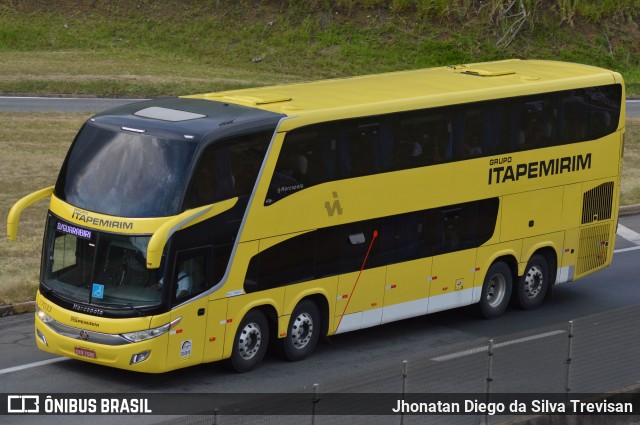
44 317
151 333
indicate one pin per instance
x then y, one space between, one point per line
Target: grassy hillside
152 48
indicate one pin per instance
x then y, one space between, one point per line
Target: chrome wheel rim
496 290
302 330
249 341
533 281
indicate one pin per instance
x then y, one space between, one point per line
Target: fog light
41 337
140 357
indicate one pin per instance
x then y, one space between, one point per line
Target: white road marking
501 344
633 248
30 365
629 234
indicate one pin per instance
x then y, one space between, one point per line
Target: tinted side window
367 147
469 140
191 274
327 252
424 138
605 109
288 262
533 122
480 130
366 243
308 158
574 123
590 113
413 236
344 249
227 169
464 226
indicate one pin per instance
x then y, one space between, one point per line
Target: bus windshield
125 174
99 268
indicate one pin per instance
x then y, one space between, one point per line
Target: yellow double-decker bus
202 228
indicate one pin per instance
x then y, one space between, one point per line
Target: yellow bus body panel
537 213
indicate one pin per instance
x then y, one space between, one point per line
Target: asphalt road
446 352
60 104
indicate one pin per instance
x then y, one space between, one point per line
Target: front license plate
85 352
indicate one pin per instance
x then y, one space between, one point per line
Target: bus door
453 271
361 283
189 277
406 290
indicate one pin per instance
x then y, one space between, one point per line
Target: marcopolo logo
334 207
23 404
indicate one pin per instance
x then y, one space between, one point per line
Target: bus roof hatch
481 72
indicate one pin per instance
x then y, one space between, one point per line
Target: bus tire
496 290
251 341
303 331
534 283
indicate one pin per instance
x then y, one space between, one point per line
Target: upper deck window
125 174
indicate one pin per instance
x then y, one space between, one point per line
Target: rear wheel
533 285
303 332
496 290
251 341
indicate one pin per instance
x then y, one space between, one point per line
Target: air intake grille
597 203
594 247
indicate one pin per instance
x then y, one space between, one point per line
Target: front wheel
533 285
496 290
250 343
303 333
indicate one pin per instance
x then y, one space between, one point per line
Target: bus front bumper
104 349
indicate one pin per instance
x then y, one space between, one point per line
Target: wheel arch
320 299
266 307
509 259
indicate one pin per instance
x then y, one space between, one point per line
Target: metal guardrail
584 357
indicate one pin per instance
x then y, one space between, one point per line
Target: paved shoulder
59 104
